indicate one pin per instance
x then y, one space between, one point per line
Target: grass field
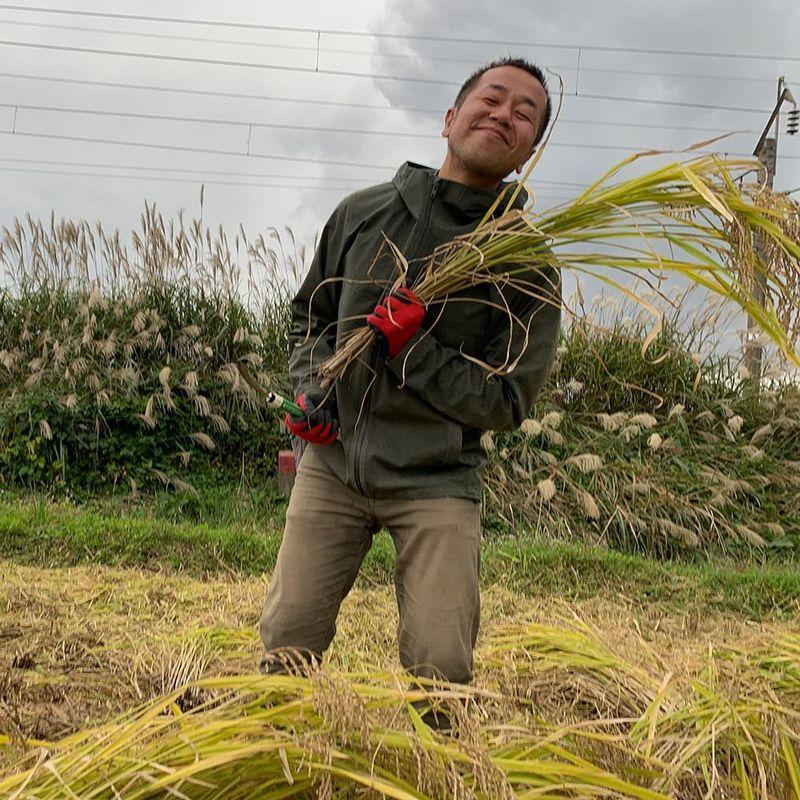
640 582
97 618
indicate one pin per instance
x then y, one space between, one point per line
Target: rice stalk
691 210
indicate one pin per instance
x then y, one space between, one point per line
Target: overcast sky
383 43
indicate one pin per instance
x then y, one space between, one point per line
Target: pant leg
436 579
329 529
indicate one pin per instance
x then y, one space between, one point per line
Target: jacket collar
415 182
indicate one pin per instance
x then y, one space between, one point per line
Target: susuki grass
119 361
675 450
119 376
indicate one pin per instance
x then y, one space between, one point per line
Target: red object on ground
286 470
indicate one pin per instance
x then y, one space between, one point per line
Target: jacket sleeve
315 307
462 390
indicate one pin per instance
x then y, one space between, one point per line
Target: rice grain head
531 427
752 452
676 411
588 504
735 423
654 441
487 441
546 489
644 420
552 419
585 462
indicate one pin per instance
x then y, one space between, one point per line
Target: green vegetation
119 369
119 377
58 535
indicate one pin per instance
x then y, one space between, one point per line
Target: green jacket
411 426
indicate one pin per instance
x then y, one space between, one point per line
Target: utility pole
766 151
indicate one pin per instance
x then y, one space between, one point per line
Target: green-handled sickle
273 399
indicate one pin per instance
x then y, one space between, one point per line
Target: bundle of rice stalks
570 670
735 731
600 727
687 218
317 736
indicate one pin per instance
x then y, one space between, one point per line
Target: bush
126 374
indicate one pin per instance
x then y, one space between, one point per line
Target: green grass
49 534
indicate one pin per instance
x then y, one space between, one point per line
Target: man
410 416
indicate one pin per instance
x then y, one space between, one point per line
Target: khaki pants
329 529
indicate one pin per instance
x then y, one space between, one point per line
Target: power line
673 103
431 111
213 151
326 129
404 56
213 93
412 37
170 178
212 121
206 150
135 167
238 184
202 172
220 62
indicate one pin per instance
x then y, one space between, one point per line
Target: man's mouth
495 132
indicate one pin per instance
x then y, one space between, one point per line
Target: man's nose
501 115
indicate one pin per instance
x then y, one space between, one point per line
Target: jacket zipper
361 436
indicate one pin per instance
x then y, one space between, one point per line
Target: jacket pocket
408 434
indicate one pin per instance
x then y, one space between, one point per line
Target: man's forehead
504 81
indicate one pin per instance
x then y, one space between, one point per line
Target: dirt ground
80 645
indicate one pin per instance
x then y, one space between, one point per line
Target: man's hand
398 317
317 425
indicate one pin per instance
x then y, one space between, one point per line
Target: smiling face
492 132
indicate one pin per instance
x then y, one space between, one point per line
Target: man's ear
448 121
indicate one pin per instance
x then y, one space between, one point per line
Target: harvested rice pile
599 699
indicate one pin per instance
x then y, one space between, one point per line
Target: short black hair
519 63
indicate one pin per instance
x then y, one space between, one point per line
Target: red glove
398 317
317 425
